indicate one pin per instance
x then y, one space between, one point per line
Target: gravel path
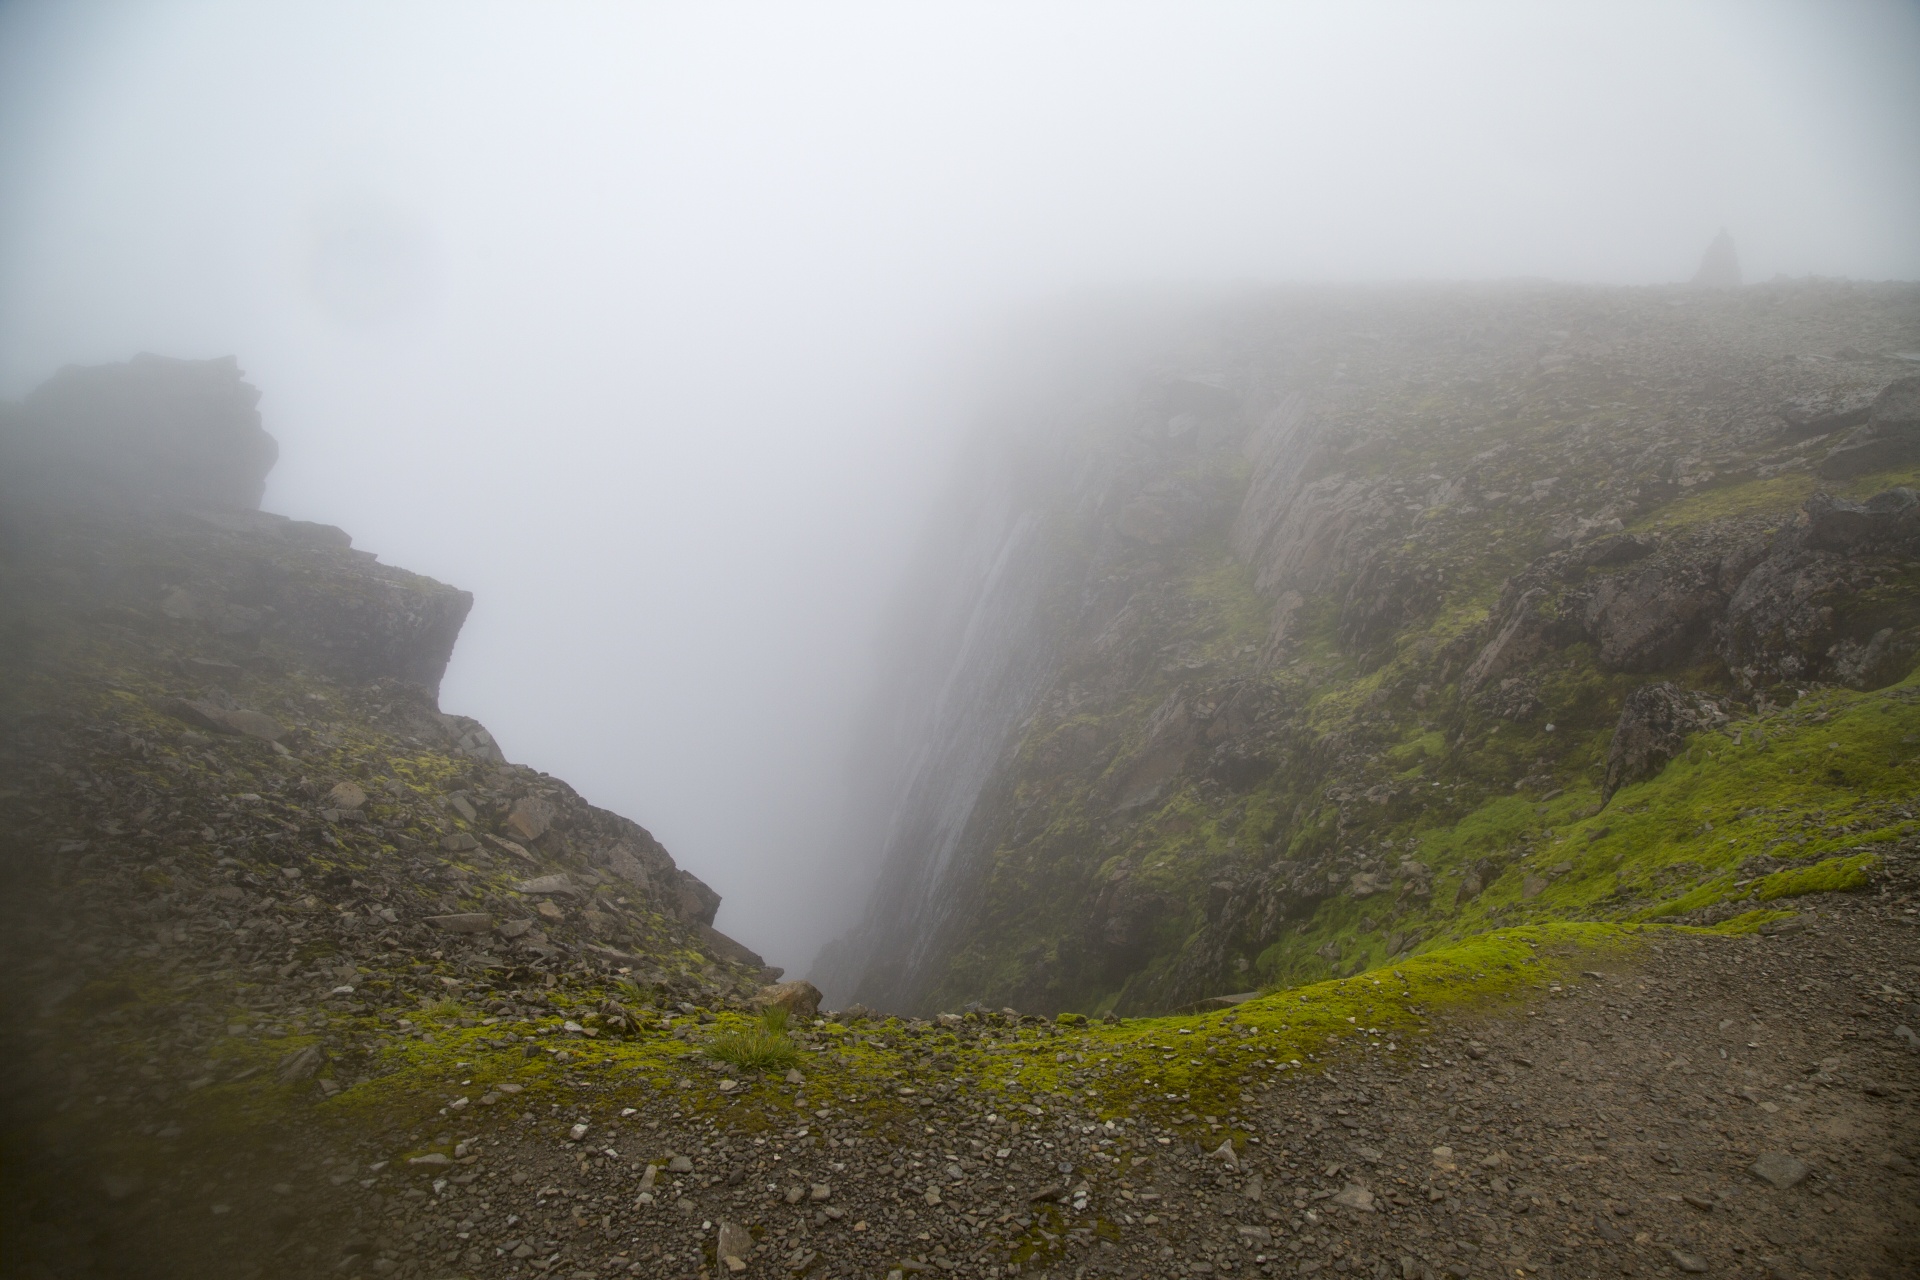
1615 1128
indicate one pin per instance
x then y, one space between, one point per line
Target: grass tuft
762 1046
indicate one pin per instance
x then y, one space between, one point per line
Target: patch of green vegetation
1780 494
763 1047
1834 875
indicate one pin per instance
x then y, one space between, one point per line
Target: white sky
652 324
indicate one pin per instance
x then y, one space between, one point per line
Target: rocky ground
1738 1105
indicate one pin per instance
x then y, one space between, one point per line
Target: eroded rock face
139 484
1655 615
1821 597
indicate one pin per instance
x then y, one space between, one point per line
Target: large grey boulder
1889 438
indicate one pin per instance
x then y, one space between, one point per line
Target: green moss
1780 494
1834 875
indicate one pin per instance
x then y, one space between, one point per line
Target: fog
656 326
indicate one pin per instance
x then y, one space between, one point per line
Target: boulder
462 922
1653 728
1654 616
1516 640
231 720
1355 1197
300 1064
726 948
1886 520
1889 438
530 818
1779 1170
1816 607
555 884
734 1246
800 999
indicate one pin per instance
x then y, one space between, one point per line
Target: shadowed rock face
153 433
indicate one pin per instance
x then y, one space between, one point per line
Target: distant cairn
1719 265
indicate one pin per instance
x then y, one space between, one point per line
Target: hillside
1345 622
242 842
1575 964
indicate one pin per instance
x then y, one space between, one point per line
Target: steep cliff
1299 648
241 847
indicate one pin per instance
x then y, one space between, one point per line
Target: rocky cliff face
1262 663
240 841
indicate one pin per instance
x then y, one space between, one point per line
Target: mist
657 327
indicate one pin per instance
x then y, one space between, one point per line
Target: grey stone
800 999
237 721
462 922
1354 1196
1779 1170
553 885
530 818
735 1242
299 1065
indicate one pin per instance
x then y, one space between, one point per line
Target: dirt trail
1612 1128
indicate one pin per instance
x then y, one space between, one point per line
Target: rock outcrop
1655 723
235 643
126 439
1889 438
